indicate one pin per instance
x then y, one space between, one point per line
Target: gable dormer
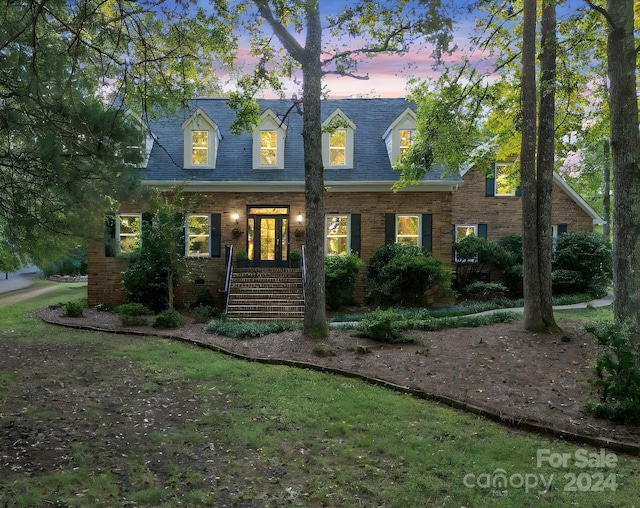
400 135
337 141
201 140
268 142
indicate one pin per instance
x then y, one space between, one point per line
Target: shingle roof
372 117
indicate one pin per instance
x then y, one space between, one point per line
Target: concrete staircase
266 294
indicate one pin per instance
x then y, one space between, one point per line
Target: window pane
337 228
406 140
268 148
129 235
506 182
464 231
408 228
199 148
337 147
198 235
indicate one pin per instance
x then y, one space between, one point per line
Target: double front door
268 236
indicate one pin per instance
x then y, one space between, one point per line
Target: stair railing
228 255
303 266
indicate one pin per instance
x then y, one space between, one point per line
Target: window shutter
389 228
427 231
490 181
482 231
562 228
181 245
216 235
110 244
518 191
453 241
355 233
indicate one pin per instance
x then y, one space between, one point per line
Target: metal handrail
228 253
303 266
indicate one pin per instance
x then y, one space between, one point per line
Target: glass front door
268 236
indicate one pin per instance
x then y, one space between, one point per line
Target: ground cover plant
97 419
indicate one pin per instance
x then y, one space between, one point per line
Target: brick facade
104 272
503 214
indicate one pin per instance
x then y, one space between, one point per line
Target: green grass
588 314
257 435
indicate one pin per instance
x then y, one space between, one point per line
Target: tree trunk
546 159
606 204
531 289
623 106
315 322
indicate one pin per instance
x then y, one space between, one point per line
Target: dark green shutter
356 237
427 232
562 228
490 181
389 228
110 244
453 242
216 235
182 240
482 231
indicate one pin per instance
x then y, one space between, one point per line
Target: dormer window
201 139
400 135
268 142
337 141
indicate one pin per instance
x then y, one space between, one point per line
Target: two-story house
252 191
254 183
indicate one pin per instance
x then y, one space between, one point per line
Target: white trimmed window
128 229
406 139
268 142
408 229
337 235
201 140
461 232
337 141
198 234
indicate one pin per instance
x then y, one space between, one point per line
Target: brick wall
503 214
104 272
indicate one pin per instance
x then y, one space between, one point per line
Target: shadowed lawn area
96 419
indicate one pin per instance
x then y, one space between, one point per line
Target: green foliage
383 326
170 318
588 254
9 262
74 308
567 281
402 274
73 262
323 349
204 313
485 290
340 279
477 255
158 264
133 314
617 372
248 330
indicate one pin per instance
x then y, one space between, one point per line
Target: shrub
567 281
204 298
617 372
588 254
511 264
204 313
247 330
485 291
340 279
170 318
478 255
133 314
402 274
383 326
73 308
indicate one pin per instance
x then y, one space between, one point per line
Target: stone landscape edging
625 447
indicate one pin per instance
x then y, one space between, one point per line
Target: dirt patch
530 379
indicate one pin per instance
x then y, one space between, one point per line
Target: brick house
254 183
252 190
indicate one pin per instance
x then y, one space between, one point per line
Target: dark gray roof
372 117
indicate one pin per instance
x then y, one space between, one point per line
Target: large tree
70 74
363 28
